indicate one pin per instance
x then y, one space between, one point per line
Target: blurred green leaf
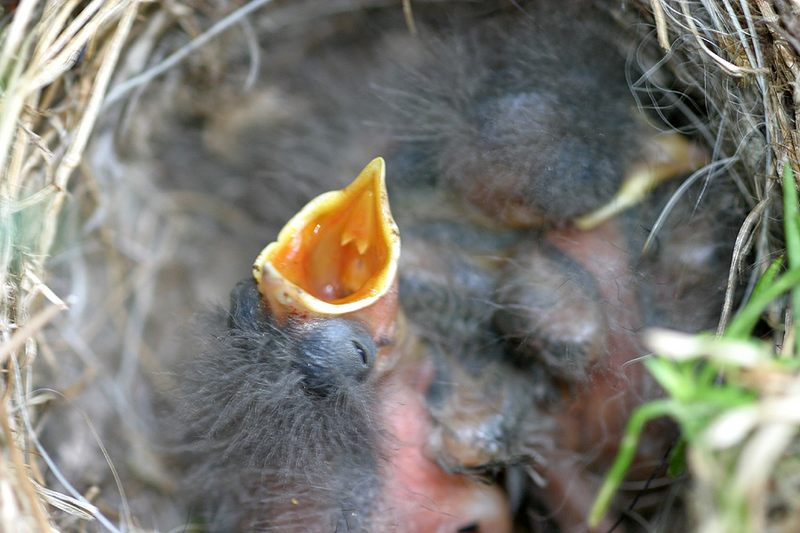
677 459
744 322
767 279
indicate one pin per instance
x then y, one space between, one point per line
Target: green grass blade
677 459
768 277
627 450
792 236
671 377
746 319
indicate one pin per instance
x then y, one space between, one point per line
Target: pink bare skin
419 496
592 415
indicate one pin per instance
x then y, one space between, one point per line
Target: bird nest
92 246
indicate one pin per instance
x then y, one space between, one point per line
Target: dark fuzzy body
246 407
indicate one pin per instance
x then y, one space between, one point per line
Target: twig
739 249
16 34
94 511
408 13
709 170
118 91
661 24
726 65
19 466
84 129
27 331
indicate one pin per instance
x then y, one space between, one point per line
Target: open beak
337 256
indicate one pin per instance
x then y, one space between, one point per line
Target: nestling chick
307 360
255 393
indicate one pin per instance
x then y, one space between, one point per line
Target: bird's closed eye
332 353
362 352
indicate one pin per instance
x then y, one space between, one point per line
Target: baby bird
304 359
257 391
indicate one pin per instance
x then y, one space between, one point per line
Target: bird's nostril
469 528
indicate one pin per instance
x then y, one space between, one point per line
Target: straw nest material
90 242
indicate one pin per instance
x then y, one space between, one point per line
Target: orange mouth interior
336 255
340 248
